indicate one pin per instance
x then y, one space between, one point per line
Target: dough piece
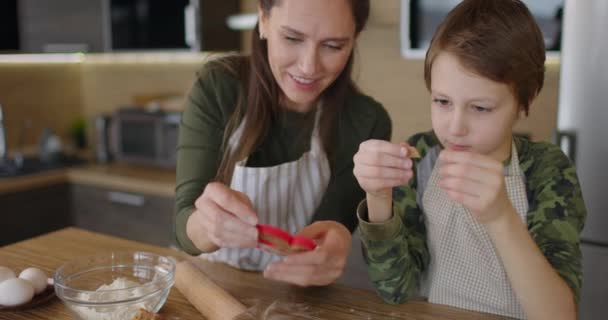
413 153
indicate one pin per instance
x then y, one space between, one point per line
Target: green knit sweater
211 102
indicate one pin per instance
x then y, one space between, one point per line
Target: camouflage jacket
396 251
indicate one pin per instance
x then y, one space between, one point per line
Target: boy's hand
381 165
477 182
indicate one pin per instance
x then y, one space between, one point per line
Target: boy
484 220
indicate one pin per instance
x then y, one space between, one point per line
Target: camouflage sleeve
395 251
557 213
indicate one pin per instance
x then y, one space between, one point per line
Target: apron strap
316 147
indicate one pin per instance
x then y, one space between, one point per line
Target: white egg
6 273
15 291
36 277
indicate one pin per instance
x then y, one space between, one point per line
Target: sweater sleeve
395 250
201 130
557 212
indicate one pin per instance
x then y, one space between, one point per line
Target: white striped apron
286 196
465 270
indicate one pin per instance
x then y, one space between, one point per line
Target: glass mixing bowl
115 285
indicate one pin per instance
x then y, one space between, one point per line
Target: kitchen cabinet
213 32
141 217
420 19
32 212
39 26
62 26
9 30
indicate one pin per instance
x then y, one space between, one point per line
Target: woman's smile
303 83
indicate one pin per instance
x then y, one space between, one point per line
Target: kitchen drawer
30 213
129 215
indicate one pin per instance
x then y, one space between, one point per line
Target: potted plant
78 133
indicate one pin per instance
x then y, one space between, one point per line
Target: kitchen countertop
50 251
149 180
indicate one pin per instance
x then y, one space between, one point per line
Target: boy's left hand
318 267
475 181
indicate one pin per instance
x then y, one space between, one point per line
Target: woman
269 139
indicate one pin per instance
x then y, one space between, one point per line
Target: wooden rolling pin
206 296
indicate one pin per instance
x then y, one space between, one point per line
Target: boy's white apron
465 270
285 195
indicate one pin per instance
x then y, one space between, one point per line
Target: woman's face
470 112
309 43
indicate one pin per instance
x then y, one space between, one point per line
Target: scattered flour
120 312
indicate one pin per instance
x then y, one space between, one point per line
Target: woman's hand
381 165
222 218
318 267
477 182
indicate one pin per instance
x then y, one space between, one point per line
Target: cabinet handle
126 198
192 25
245 21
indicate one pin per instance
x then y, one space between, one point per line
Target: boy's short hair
496 39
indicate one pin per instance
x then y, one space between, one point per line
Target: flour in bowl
118 311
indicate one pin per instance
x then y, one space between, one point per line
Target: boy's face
470 112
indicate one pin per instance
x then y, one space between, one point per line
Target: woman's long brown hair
258 100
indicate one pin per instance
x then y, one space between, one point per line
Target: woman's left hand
477 182
318 267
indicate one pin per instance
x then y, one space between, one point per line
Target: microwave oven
145 137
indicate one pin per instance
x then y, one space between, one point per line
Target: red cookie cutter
281 242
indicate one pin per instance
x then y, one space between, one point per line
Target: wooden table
50 251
